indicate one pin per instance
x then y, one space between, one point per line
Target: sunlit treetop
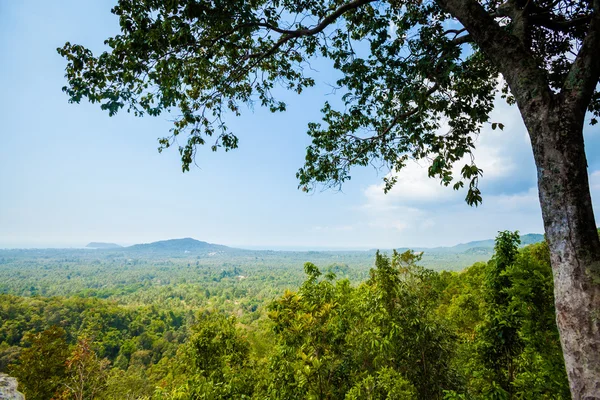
414 82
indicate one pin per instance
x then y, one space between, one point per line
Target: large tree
409 68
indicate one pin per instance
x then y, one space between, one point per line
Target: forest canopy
404 332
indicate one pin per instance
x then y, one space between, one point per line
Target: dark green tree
203 61
214 363
41 368
313 359
516 342
417 343
539 366
499 341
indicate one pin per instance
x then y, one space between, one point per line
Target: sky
70 174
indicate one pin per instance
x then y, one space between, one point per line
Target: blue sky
69 174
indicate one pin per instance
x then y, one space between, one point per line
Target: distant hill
453 258
101 245
178 246
449 258
531 238
527 239
484 251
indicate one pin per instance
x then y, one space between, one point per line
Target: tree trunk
556 132
555 125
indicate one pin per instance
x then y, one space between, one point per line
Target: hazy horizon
266 247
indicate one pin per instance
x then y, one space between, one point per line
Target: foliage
388 384
215 361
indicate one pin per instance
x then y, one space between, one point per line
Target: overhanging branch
397 118
557 25
289 34
581 81
506 51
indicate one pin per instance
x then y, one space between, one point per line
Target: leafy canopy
413 85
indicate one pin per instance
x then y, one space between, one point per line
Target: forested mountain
529 238
449 258
179 246
174 246
102 245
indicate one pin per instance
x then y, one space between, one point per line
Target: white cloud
518 202
413 188
502 153
396 219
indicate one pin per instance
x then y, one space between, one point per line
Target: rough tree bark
555 124
575 249
556 133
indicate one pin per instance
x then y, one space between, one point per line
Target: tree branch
462 39
455 31
506 51
329 19
399 117
581 81
292 34
516 11
558 26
